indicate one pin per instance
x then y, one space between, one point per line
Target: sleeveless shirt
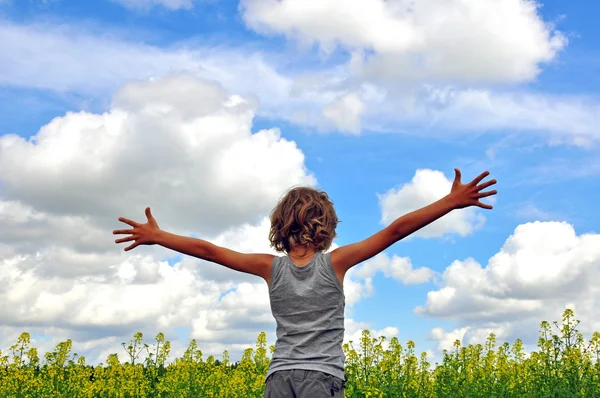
308 305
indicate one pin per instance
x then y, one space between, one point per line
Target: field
564 365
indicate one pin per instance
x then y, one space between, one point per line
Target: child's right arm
149 233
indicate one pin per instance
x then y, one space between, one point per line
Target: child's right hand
141 234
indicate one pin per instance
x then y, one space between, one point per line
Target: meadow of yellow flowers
564 365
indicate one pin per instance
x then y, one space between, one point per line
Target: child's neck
301 255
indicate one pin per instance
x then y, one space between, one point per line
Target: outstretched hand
141 234
465 195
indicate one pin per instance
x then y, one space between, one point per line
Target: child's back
308 305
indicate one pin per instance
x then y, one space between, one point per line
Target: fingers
485 194
480 177
122 231
486 184
149 214
127 239
129 222
457 175
484 206
130 232
132 246
151 219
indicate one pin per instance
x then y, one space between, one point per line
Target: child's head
303 217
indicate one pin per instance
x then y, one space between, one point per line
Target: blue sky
495 102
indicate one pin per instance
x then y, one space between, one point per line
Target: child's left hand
465 195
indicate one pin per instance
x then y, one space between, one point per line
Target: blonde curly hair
305 217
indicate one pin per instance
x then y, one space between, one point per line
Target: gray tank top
308 305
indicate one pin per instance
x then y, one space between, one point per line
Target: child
306 284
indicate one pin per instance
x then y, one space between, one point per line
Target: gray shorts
298 383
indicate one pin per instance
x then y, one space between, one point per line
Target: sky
209 110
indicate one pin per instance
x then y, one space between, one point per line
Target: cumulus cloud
395 267
445 340
358 282
180 144
356 288
355 329
25 229
148 288
426 187
436 39
239 316
433 64
136 294
542 268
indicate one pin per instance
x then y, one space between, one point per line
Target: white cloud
345 112
91 63
426 187
440 110
176 134
430 65
445 340
543 268
132 299
358 282
355 288
398 268
239 316
98 60
62 297
26 229
180 144
94 61
565 119
147 4
435 39
354 330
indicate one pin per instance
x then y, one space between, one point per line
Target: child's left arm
461 196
